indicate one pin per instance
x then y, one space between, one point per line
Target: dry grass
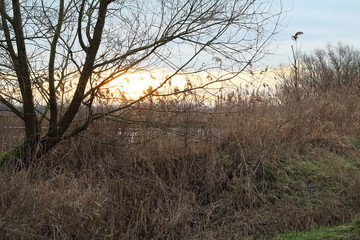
246 168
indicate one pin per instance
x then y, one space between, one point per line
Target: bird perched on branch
295 37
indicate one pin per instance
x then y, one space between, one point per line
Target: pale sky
322 21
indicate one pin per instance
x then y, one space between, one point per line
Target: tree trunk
23 74
25 155
87 70
34 147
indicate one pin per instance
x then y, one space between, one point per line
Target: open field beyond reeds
248 168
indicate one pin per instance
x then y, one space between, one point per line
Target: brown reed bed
251 167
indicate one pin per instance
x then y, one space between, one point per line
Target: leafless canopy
59 54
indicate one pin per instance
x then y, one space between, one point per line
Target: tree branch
52 90
12 107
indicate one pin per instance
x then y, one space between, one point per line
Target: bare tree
61 54
337 65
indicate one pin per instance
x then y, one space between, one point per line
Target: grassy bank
246 168
349 231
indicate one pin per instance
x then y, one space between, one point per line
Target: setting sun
136 84
133 85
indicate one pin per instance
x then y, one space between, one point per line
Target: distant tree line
336 65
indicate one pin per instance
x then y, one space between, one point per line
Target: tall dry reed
237 169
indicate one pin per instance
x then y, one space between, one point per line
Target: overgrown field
249 167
